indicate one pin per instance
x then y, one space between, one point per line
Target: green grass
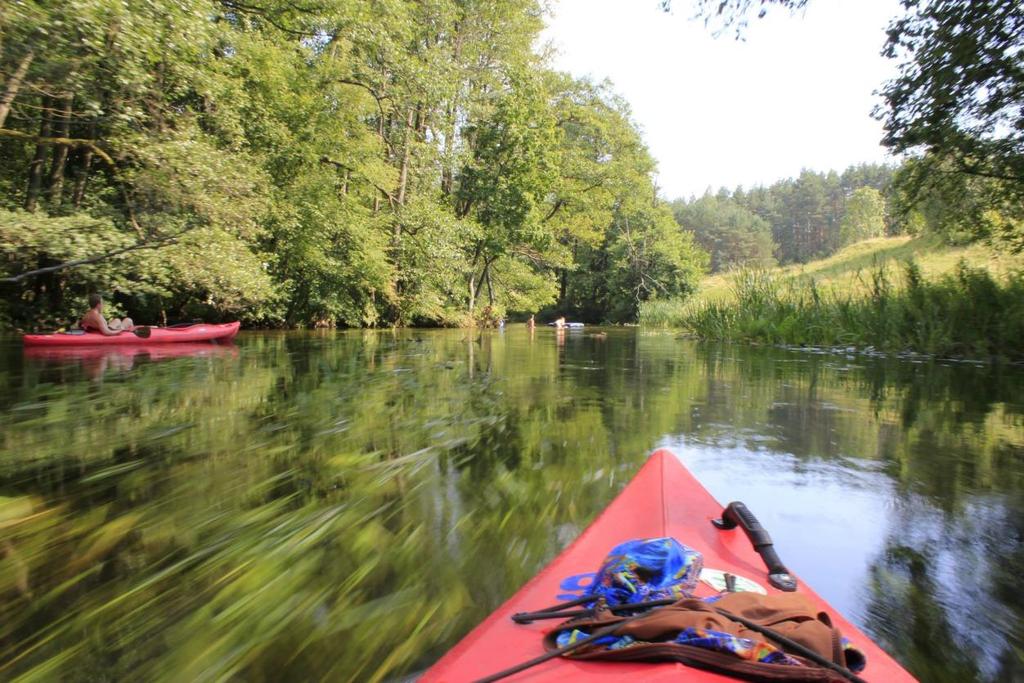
847 267
891 294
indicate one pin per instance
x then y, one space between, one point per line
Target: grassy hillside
894 294
850 269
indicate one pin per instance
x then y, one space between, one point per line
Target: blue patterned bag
645 570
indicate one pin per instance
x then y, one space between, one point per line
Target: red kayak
664 499
200 332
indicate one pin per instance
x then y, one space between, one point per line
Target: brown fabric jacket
789 614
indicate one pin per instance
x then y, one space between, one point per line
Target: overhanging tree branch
138 246
70 142
975 169
343 167
265 14
378 98
554 209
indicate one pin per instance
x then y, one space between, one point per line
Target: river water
345 506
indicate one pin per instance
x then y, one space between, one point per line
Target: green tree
652 259
337 163
864 217
805 213
956 102
120 119
617 243
503 187
732 235
958 92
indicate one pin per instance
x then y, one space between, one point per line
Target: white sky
797 93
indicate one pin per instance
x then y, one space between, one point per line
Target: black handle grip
737 514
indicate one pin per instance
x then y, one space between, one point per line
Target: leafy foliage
956 104
794 220
734 14
960 85
864 217
342 163
959 207
733 235
954 108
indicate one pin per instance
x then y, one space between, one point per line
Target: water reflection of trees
347 505
944 592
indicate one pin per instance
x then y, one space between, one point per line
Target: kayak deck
201 332
663 499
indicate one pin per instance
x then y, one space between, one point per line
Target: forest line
336 165
389 163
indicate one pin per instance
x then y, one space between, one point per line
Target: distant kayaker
93 320
560 322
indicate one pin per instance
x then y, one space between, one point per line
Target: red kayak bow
663 499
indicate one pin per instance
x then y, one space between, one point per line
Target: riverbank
891 295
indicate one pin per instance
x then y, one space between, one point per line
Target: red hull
158 335
664 499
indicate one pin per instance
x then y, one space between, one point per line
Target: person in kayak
93 320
